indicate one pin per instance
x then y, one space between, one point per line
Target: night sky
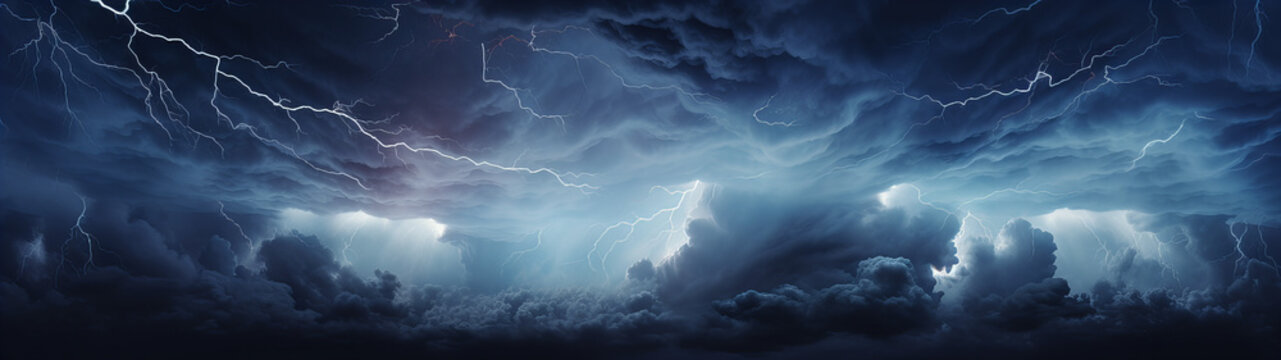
640 179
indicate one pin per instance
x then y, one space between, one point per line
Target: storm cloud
717 179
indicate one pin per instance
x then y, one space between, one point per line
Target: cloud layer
671 179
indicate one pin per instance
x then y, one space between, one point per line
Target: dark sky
722 179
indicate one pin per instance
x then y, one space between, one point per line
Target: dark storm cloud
882 300
761 241
759 52
1027 256
1015 289
126 226
302 299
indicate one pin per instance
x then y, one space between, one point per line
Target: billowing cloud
668 179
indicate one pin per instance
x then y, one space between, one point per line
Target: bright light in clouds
674 237
907 197
971 227
1091 245
410 248
886 196
658 235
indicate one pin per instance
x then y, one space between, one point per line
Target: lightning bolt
1232 29
381 14
533 37
631 226
1258 23
756 116
521 253
962 235
451 32
1135 235
969 215
1050 80
520 102
1103 247
920 198
1144 151
1002 10
222 211
1014 190
44 28
1174 274
252 244
974 21
1238 239
487 54
165 97
1259 228
1040 76
77 232
1256 160
352 239
35 246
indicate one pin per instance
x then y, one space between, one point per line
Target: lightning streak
533 37
222 211
1258 23
631 226
1144 151
346 247
34 248
520 102
1103 247
1238 240
756 115
1264 244
974 21
487 54
381 14
284 105
77 233
252 244
521 253
1040 76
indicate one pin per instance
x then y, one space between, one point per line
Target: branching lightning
487 53
1238 239
1103 247
516 255
77 232
350 239
520 102
631 226
1239 247
1041 75
533 37
159 92
252 244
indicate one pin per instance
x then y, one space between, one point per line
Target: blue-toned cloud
667 179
